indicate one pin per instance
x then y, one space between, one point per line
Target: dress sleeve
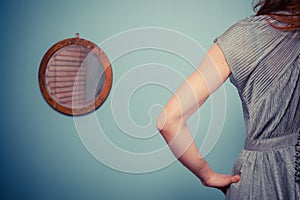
236 43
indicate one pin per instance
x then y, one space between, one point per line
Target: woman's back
265 66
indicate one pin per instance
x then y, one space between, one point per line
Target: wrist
205 173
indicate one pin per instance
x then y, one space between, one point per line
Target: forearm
182 144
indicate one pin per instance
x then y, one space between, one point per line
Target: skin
208 77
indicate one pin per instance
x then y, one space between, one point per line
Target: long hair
271 7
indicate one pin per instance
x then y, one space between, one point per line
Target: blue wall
42 156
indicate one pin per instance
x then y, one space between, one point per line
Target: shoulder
257 25
252 24
254 19
250 31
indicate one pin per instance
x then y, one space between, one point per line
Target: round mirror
75 76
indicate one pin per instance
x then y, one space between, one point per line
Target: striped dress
265 65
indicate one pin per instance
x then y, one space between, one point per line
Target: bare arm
209 76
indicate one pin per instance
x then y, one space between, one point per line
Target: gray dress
265 65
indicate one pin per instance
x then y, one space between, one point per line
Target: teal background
42 156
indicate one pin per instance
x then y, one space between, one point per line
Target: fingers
222 181
235 179
228 179
232 179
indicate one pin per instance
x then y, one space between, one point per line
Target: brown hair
271 8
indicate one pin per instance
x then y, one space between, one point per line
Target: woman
260 54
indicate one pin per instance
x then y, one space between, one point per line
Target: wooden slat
64 68
64 84
65 79
70 94
64 73
68 58
73 54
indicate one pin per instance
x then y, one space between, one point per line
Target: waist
271 143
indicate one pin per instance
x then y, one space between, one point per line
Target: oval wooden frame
107 72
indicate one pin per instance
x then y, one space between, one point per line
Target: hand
221 181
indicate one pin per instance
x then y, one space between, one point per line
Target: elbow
163 123
160 123
167 124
